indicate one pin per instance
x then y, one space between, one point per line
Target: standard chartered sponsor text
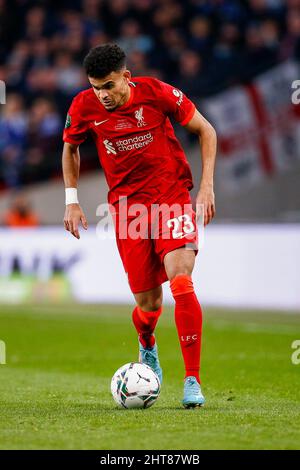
136 142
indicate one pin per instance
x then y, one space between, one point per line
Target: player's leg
179 265
146 314
145 276
145 317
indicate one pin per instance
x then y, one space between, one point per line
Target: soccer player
144 164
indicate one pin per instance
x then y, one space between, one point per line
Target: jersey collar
129 101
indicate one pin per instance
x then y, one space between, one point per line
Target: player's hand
73 216
205 204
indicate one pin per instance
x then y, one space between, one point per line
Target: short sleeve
175 103
76 128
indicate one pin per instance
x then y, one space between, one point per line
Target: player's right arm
71 165
75 132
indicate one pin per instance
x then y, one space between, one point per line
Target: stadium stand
200 46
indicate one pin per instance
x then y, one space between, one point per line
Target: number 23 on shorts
181 226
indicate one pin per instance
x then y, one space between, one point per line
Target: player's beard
111 107
114 105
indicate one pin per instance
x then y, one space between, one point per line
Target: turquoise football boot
149 356
192 395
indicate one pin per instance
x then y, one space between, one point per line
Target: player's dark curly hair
104 59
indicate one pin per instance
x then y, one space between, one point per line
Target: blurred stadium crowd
200 46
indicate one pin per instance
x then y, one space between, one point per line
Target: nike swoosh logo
101 122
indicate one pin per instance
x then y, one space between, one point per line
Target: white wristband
71 196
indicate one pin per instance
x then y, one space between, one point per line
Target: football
135 385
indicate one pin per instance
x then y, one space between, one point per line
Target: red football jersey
138 151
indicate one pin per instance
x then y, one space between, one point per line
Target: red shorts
145 234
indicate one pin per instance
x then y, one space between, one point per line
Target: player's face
113 90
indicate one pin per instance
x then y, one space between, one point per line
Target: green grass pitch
55 387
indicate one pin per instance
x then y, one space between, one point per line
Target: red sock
145 323
188 318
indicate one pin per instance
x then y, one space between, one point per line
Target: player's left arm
208 143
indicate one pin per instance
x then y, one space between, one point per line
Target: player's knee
179 270
150 305
181 284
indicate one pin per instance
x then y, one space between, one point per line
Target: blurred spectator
8 26
137 62
271 36
173 45
44 136
131 38
226 57
42 81
168 13
260 10
20 214
16 64
98 37
40 54
13 131
45 122
142 11
191 78
92 19
290 46
257 56
35 23
115 12
69 75
200 35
